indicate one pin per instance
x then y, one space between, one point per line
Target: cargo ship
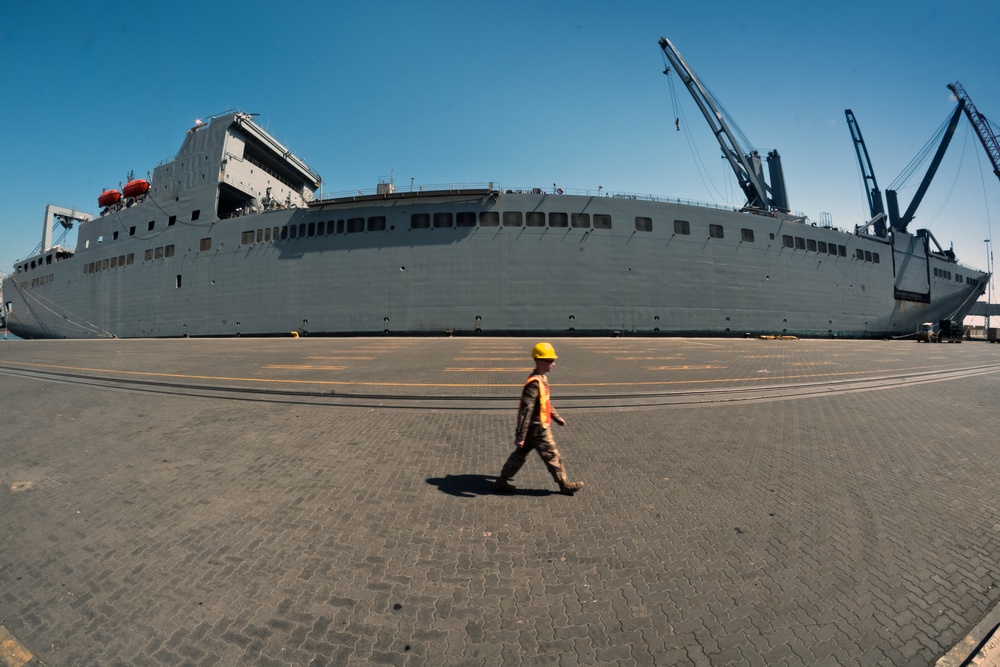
229 238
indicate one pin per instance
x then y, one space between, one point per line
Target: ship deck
280 501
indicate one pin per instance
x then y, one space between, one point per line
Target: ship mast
746 166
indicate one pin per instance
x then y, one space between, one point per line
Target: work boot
503 485
569 488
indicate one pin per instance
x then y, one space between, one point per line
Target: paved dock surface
329 502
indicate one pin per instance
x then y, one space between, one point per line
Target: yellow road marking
12 654
487 370
682 368
345 358
306 368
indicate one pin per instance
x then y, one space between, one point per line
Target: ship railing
493 186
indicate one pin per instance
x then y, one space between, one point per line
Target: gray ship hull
210 259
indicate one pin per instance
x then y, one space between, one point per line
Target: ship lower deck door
910 262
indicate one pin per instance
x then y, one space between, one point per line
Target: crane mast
875 204
980 124
747 167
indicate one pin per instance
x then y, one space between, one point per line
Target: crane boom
875 204
747 167
980 124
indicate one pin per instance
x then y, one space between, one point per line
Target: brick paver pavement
844 528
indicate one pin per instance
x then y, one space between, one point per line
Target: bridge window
643 224
800 243
444 219
746 235
822 247
716 231
682 227
376 223
420 221
558 219
602 221
842 250
205 244
489 219
465 219
787 241
311 229
580 220
511 218
534 219
355 225
168 251
246 238
811 245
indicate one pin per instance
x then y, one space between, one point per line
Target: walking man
533 432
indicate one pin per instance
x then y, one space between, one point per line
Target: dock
329 501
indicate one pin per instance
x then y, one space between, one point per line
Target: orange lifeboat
136 188
109 198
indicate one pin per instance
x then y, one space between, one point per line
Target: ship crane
747 166
980 124
875 204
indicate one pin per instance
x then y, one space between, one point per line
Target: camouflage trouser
540 440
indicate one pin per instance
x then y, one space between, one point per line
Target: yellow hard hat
543 351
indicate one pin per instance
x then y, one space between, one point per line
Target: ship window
534 219
822 246
293 231
148 255
302 230
355 225
859 253
602 221
420 221
178 283
511 218
558 219
168 251
246 238
267 234
158 253
800 243
195 214
811 244
489 219
311 230
121 260
260 235
340 226
444 219
171 221
130 258
580 220
465 219
206 244
284 232
150 225
716 231
643 224
106 264
87 269
114 237
376 223
868 255
131 231
833 248
114 262
842 250
746 235
682 227
48 259
100 241
275 233
787 241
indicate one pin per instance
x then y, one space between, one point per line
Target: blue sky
519 93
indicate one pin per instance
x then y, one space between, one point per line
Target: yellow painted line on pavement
520 369
631 383
306 368
345 358
12 654
683 368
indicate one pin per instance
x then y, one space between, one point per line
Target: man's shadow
470 486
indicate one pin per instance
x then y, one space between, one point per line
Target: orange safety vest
544 407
